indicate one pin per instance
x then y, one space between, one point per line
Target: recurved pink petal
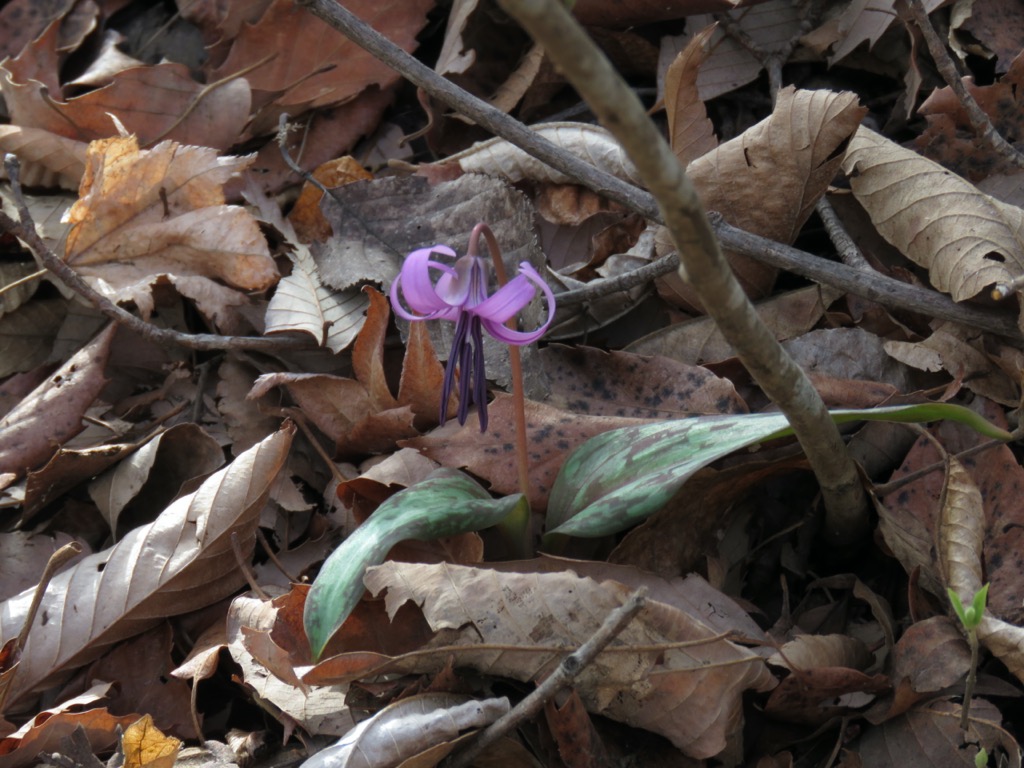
414 285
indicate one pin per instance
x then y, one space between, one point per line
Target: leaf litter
208 488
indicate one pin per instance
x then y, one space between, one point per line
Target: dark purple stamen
467 354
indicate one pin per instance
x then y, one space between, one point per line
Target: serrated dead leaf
691 695
144 746
690 132
144 214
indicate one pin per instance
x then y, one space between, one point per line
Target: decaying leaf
47 160
690 132
52 413
768 179
409 728
176 106
499 158
147 214
689 694
327 68
45 731
182 561
966 240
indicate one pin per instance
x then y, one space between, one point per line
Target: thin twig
22 281
782 380
246 567
571 666
845 247
25 230
980 121
262 539
884 489
282 144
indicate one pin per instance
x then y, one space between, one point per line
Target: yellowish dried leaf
143 214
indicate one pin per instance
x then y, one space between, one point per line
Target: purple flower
460 295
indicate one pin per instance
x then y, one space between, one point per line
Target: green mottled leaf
615 480
446 503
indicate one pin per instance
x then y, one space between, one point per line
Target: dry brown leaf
419 730
270 674
140 669
52 413
246 424
768 179
108 62
153 475
360 415
961 352
930 735
497 157
423 379
866 21
961 535
965 239
43 733
22 21
809 651
699 341
154 102
180 562
771 25
24 557
691 695
47 160
310 224
929 656
297 71
579 741
690 132
368 352
161 212
949 138
301 302
980 502
144 746
590 381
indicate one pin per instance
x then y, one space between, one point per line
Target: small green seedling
970 617
981 757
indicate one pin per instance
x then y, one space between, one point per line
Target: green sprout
981 757
970 617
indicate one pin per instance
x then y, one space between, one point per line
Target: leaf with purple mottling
619 478
448 502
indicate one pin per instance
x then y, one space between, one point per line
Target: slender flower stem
520 528
972 677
